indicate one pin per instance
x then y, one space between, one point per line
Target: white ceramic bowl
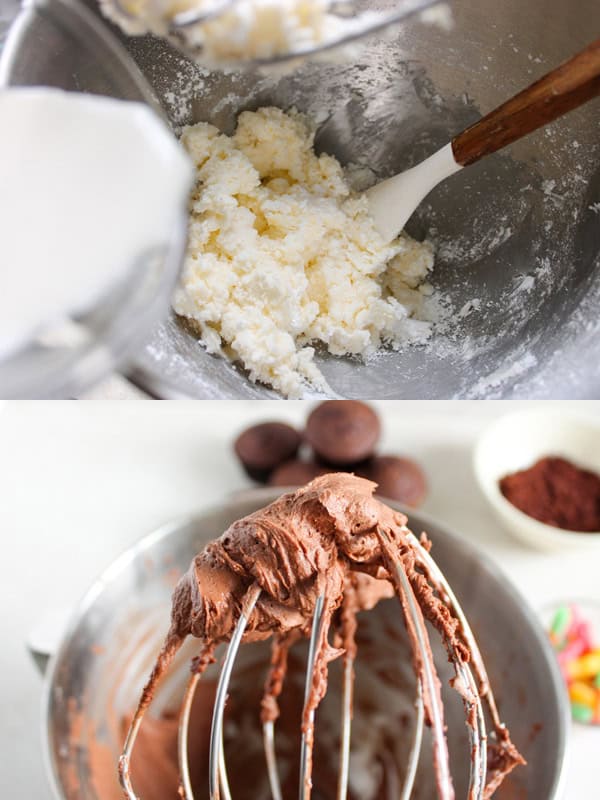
516 441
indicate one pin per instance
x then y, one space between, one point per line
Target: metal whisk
179 25
428 704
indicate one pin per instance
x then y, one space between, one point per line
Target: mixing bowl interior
109 649
517 236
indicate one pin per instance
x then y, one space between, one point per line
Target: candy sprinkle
579 658
586 666
581 713
582 694
597 708
560 623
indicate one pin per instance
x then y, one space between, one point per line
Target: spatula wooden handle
565 88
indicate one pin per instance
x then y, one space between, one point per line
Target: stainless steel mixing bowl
517 236
109 647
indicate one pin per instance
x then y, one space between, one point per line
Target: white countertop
82 481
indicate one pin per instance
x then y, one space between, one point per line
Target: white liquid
87 185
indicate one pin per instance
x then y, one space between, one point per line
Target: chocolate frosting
329 539
301 546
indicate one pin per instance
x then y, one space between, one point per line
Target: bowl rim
266 495
100 28
495 497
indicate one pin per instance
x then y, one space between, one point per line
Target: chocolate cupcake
397 478
343 432
264 447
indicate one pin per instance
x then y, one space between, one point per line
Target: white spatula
393 201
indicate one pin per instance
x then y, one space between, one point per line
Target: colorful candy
583 694
586 666
581 713
560 624
579 659
569 653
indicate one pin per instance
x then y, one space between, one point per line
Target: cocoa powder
556 492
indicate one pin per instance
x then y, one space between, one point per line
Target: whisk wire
471 692
306 747
347 699
181 26
165 658
124 760
216 733
182 741
419 640
456 608
270 708
271 759
223 778
415 750
478 738
184 19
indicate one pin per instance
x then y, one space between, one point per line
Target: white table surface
82 481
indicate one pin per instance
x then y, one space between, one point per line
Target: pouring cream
89 185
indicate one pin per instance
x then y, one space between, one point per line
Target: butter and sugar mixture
283 254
